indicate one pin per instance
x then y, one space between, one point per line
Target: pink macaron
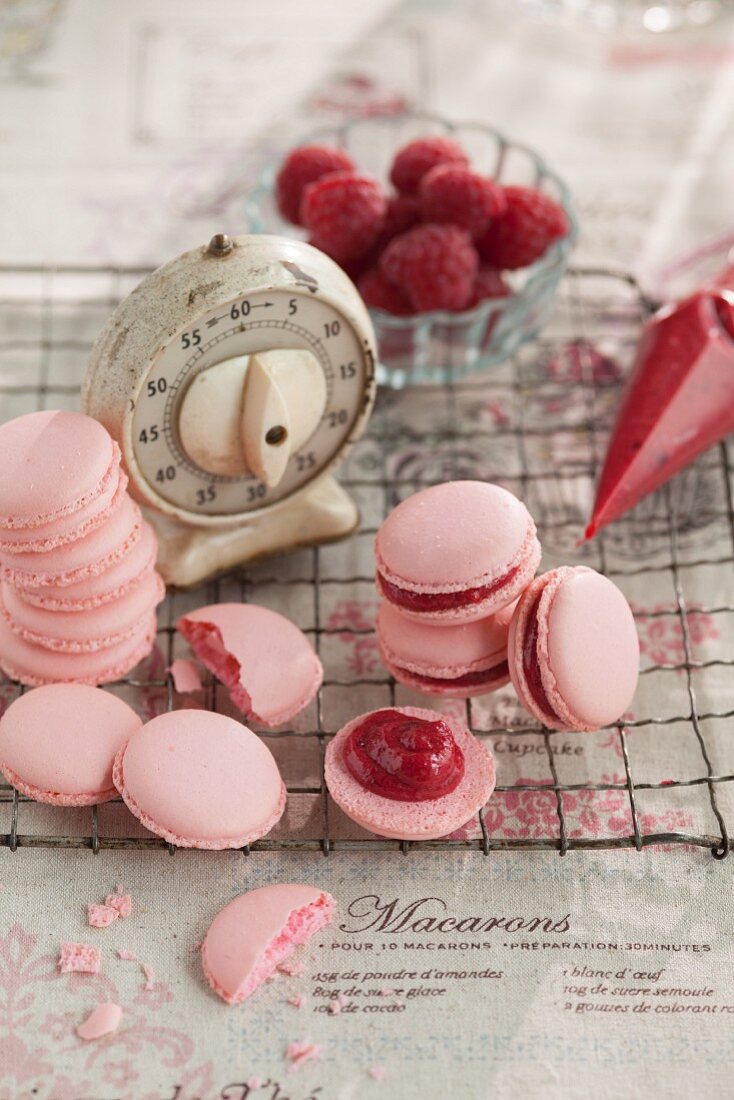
421 754
457 661
256 932
268 664
53 464
35 665
58 743
85 631
573 650
200 780
68 528
96 589
456 552
76 561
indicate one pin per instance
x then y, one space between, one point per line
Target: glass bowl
440 346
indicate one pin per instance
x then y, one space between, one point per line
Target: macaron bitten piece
456 552
58 743
456 661
255 933
200 780
573 650
408 773
266 661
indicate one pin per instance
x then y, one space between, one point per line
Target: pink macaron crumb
291 968
296 1000
101 916
101 1021
302 924
121 902
301 1051
376 1072
128 956
185 674
150 976
78 958
254 1083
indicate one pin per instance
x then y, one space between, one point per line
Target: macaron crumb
185 674
128 956
101 916
254 1083
296 1000
301 1051
150 976
290 967
78 958
376 1072
101 1021
121 902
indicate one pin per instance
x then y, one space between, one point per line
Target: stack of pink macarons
77 562
452 561
462 615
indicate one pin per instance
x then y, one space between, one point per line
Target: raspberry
413 161
301 167
520 235
378 293
455 194
403 212
434 264
488 284
344 212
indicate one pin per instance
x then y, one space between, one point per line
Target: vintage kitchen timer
235 378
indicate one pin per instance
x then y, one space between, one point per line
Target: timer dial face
261 321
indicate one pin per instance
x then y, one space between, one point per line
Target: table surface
130 133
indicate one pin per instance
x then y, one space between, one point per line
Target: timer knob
251 413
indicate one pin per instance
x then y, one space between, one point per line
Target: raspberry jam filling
443 601
531 664
404 758
484 677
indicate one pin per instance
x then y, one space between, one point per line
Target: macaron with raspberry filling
573 650
457 661
408 773
456 552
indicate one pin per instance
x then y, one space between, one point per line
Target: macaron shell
448 688
588 637
58 743
34 665
453 536
75 632
268 664
200 780
526 566
73 526
515 647
100 588
439 650
251 935
52 463
77 560
412 820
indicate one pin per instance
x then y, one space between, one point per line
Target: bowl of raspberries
455 237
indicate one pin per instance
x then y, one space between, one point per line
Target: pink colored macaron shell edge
442 651
252 935
427 820
36 666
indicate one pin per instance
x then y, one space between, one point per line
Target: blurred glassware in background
631 15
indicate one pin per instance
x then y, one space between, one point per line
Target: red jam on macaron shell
531 663
443 601
404 758
484 677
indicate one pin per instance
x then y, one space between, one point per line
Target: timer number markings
156 442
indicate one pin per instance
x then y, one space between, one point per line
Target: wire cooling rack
663 776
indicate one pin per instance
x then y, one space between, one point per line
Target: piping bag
678 401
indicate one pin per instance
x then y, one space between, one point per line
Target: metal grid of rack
502 425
